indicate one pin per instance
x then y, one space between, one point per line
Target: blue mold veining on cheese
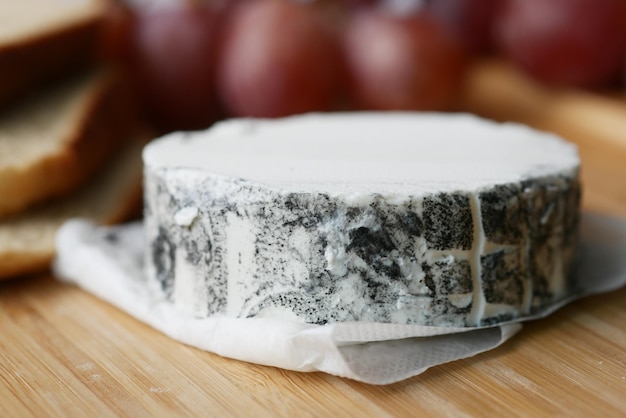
228 246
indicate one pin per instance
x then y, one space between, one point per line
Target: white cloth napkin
108 262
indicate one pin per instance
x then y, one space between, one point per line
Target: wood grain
65 353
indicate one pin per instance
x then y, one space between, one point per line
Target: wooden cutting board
65 353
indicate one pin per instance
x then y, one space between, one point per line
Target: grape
401 63
565 42
277 59
174 64
117 29
471 21
359 3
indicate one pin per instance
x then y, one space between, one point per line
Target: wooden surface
65 353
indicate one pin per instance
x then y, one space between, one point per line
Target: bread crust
115 195
104 123
42 58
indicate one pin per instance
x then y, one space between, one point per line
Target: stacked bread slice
41 41
69 139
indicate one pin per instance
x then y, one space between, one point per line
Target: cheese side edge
219 245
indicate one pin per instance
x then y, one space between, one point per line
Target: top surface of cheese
409 153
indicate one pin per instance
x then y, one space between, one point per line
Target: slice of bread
43 40
53 143
27 240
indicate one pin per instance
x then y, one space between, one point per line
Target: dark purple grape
174 64
471 21
401 63
277 59
565 42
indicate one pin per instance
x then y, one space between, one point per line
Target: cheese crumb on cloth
108 262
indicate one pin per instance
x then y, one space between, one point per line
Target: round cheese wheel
408 218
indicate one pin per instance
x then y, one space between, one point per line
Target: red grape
401 63
565 42
471 21
277 59
174 63
359 3
117 29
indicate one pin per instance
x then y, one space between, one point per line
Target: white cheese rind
471 253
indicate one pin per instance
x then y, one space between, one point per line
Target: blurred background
196 61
